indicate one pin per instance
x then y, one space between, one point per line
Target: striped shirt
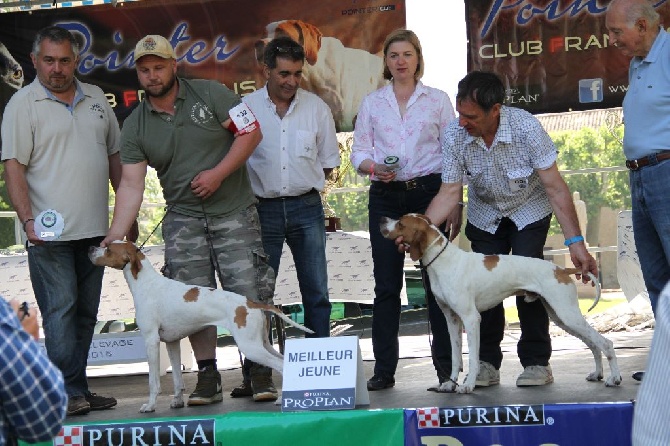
502 179
652 408
32 392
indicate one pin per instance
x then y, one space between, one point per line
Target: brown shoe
264 389
207 389
243 390
77 405
98 402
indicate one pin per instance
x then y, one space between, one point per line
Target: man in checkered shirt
32 394
514 186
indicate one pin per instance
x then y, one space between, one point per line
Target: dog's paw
465 388
147 408
177 403
447 387
594 376
613 381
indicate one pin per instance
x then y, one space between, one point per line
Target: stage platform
571 362
237 419
387 420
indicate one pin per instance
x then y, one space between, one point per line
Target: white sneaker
535 375
487 376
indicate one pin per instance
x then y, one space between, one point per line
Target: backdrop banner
215 39
553 56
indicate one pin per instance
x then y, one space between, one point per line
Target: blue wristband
575 239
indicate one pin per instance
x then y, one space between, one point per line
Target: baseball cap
154 45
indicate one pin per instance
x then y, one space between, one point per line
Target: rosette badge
49 225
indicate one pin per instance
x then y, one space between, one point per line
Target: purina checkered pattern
428 417
70 436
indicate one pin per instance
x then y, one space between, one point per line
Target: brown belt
651 159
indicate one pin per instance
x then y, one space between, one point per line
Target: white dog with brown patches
167 310
466 283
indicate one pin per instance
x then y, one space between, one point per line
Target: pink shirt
414 138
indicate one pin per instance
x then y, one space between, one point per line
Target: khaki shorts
236 242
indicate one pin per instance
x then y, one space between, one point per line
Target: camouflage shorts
237 244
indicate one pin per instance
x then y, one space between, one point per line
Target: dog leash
421 265
167 209
212 253
424 281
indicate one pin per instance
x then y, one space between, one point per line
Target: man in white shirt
287 171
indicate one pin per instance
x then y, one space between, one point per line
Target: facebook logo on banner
590 90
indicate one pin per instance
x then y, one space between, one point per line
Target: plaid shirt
32 393
502 179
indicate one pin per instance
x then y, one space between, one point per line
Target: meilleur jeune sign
323 374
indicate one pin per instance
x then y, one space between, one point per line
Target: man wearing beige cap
197 134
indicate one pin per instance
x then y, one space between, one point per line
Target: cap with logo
154 45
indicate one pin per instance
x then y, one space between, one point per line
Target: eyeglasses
296 51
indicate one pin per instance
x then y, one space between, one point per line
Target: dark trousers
534 347
391 201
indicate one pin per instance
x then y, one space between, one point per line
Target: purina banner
521 425
215 39
553 55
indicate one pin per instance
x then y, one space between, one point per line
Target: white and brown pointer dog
168 311
466 283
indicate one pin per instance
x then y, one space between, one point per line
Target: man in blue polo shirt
634 28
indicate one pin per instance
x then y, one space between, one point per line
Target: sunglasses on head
296 51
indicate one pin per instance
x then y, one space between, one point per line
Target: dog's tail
288 320
595 281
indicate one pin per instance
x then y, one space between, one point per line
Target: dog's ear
135 261
312 41
416 247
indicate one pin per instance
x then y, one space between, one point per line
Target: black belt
647 160
409 184
313 191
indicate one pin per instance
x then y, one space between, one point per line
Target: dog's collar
434 258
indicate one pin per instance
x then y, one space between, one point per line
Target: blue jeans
300 221
534 346
388 201
651 225
67 289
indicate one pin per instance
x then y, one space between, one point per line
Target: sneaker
638 376
98 402
208 388
243 390
77 405
263 389
487 376
380 382
535 375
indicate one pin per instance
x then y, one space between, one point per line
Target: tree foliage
591 148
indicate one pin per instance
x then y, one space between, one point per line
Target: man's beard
163 91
